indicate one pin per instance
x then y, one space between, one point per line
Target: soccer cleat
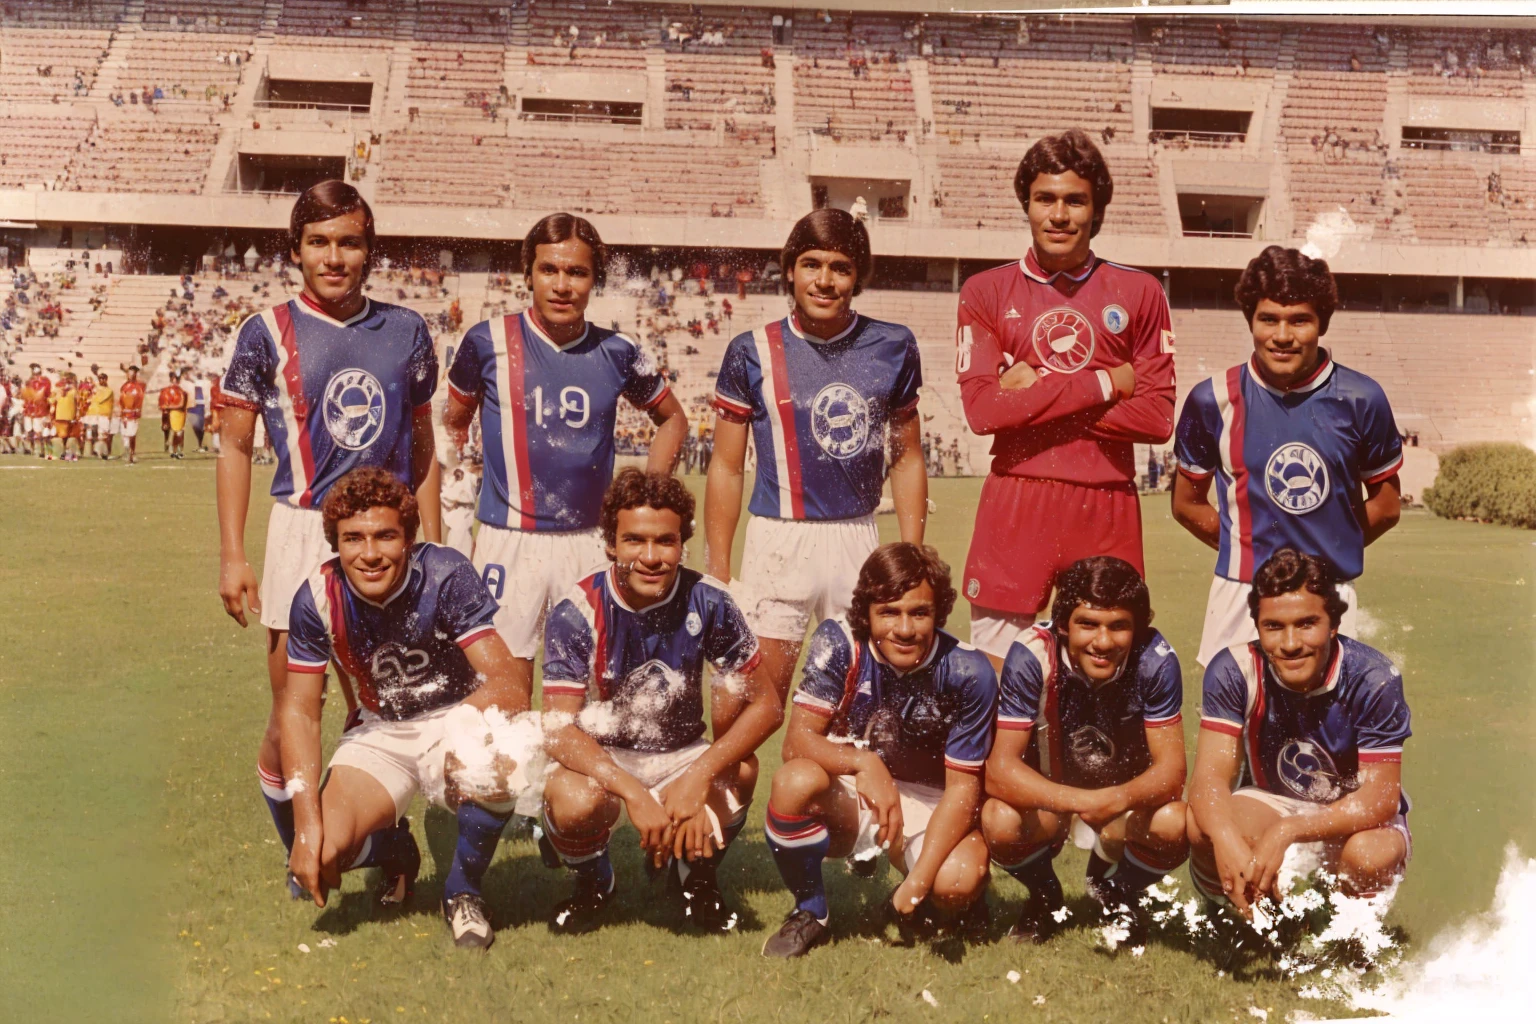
975 922
798 935
548 855
1122 908
582 910
1038 921
399 882
703 903
467 919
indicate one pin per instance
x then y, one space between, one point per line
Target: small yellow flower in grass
648 963
183 934
195 942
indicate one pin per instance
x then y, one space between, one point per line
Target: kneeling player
411 625
1315 723
625 655
891 725
1088 726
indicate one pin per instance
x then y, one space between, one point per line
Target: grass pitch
143 880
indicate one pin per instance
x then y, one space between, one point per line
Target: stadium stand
1463 62
35 151
1136 208
606 35
851 79
1211 46
139 155
49 52
323 23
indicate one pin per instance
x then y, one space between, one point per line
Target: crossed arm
1014 782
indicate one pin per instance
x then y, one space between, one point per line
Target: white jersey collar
533 325
1330 681
612 582
304 303
1319 376
933 652
405 581
794 328
1030 267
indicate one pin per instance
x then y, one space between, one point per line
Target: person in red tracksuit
1066 361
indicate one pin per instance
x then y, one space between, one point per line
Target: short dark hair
832 230
890 571
327 200
562 227
1073 151
1289 277
1287 571
1103 582
634 488
366 488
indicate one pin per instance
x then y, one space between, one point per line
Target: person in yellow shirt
98 416
65 409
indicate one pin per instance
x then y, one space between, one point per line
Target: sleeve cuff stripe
311 667
1384 754
731 404
813 705
1378 475
475 634
1159 722
657 398
1221 725
750 665
228 399
969 767
1192 470
1015 723
466 395
564 686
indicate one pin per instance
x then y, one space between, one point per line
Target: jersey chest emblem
1063 339
840 421
1091 747
354 409
1296 478
395 666
1116 318
694 624
1308 771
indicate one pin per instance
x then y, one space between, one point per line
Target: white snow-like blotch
499 755
1039 1000
1014 976
303 947
929 998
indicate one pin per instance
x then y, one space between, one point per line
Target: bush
1490 482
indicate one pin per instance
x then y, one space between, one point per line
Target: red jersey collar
1032 269
1315 380
312 307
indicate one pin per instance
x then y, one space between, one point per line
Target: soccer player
7 404
1311 725
1066 360
66 403
197 407
1293 439
830 399
131 406
888 733
98 416
1087 726
410 624
547 385
460 491
173 406
340 381
625 655
35 395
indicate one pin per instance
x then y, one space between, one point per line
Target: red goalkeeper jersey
1069 326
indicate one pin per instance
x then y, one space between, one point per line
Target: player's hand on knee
1123 379
1234 860
1104 806
695 838
653 823
684 798
1268 856
878 791
238 589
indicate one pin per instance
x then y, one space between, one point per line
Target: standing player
1066 360
547 385
197 407
8 400
1310 725
35 395
66 406
340 382
1294 438
625 654
173 407
886 741
98 416
411 625
827 395
1088 726
131 405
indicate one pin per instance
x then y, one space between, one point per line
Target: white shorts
114 426
917 804
36 424
101 423
457 526
394 753
993 632
796 573
131 427
296 547
528 573
658 771
1228 620
1326 850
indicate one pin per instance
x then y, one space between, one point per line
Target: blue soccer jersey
1308 745
1289 465
547 413
642 672
1084 734
405 654
819 412
939 715
334 395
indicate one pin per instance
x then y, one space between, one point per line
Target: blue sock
799 844
279 803
387 848
1037 872
479 832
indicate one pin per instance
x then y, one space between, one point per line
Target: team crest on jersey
1063 339
973 588
354 409
1091 747
396 670
693 624
1308 771
1116 318
1297 478
840 421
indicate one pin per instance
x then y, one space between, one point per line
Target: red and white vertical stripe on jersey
1048 720
1228 389
507 346
1253 721
341 644
594 588
291 404
780 403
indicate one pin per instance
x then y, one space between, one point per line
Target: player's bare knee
1169 826
1371 857
797 783
573 800
1001 822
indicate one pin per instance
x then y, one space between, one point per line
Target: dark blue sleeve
970 737
909 380
825 676
1021 683
733 385
1195 440
464 376
644 386
250 377
568 647
466 610
1224 695
1381 716
729 643
423 367
1381 449
1162 684
309 640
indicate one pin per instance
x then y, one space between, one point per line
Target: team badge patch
840 421
693 623
1115 318
1063 339
1308 771
354 409
1297 478
972 588
1091 747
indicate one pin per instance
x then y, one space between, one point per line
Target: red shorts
1028 530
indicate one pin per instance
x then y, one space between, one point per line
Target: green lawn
143 880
